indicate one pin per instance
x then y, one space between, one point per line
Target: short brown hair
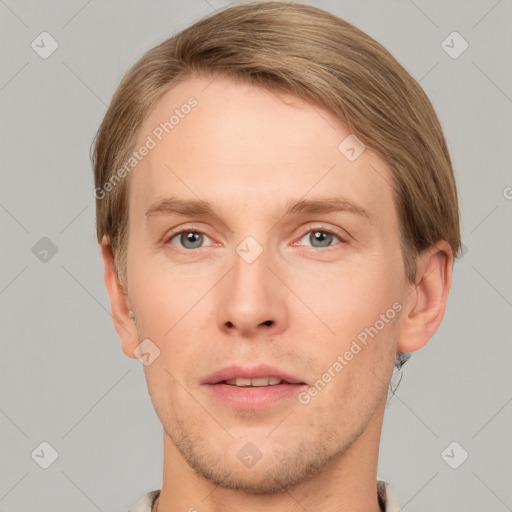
315 55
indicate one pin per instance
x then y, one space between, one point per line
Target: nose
252 300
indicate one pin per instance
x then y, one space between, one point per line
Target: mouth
257 376
257 382
252 388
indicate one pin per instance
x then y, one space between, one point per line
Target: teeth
258 382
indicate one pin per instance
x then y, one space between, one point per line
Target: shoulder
146 502
387 497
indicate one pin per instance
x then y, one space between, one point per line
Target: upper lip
250 372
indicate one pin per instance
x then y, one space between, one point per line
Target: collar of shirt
385 492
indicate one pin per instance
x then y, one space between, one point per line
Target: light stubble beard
282 470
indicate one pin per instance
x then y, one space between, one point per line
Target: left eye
189 239
320 238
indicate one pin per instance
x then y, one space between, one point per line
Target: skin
297 306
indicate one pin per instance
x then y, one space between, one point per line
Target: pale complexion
250 153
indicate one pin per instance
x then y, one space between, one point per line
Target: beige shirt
385 492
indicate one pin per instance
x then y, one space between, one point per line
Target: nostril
268 322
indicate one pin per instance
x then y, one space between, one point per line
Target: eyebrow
176 206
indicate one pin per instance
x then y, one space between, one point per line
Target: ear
119 304
426 300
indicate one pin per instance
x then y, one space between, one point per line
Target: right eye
188 239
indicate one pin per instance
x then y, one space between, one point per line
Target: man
278 217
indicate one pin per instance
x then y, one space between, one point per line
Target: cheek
346 297
161 293
356 336
354 375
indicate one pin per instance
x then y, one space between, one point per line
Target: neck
347 483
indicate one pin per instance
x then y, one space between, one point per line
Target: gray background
63 377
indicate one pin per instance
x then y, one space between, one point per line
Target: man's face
250 284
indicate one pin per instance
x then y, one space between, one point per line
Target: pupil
191 240
322 237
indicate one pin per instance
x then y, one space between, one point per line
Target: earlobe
119 304
427 300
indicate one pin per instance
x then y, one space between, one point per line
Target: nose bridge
250 280
252 300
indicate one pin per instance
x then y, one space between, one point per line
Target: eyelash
341 239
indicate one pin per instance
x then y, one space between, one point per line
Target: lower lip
253 397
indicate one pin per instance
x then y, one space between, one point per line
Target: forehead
244 146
